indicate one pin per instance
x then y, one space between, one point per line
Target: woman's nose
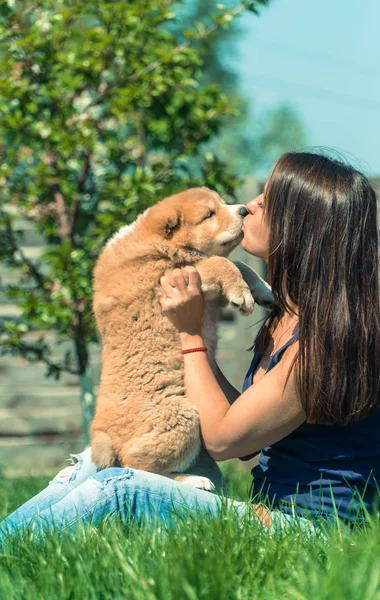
243 212
251 206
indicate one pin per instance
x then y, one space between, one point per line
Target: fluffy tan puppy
143 419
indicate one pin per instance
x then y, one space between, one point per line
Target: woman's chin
247 246
251 249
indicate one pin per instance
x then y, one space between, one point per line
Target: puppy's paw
241 299
260 289
197 481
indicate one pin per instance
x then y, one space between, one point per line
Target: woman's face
256 234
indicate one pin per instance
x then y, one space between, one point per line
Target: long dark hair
324 258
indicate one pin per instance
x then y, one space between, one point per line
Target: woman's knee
112 475
133 486
77 472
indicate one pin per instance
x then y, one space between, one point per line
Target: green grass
221 559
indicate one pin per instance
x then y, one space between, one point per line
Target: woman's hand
182 300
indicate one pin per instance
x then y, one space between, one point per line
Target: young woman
311 397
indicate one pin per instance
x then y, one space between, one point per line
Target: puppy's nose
243 212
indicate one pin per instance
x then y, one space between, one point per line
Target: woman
311 396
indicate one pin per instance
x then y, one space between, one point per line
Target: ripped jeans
81 493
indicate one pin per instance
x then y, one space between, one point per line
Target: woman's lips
245 221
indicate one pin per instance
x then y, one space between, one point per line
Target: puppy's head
198 219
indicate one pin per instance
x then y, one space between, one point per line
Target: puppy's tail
103 452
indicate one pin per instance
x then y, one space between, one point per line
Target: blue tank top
320 469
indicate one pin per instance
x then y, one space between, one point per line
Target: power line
315 92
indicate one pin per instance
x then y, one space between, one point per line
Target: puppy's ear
166 222
170 224
163 219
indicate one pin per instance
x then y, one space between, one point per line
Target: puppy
143 419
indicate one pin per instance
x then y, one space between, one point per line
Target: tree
252 145
216 48
249 141
102 114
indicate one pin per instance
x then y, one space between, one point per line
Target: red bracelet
200 349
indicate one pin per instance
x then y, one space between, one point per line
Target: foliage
102 113
249 140
219 47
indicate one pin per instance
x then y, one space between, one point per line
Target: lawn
221 559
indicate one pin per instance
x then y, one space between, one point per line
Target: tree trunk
87 398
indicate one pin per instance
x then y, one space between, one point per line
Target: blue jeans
81 493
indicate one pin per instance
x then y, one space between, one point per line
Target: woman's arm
262 415
227 388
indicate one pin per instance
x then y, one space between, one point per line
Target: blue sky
323 57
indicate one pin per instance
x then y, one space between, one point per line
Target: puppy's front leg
260 289
220 277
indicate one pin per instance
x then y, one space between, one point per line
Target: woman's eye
209 214
260 204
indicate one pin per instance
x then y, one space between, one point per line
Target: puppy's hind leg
203 473
103 453
197 481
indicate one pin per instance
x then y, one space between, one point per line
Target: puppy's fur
143 419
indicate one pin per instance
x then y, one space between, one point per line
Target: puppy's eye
210 213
